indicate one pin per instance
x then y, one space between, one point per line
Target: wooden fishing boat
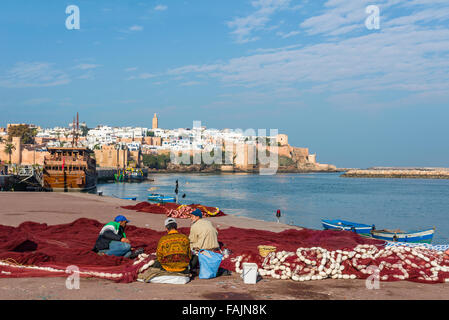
69 169
160 198
338 224
423 236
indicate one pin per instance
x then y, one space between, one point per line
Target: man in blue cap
112 240
203 235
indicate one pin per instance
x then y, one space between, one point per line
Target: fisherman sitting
113 241
203 235
173 250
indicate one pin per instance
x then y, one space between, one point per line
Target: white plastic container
249 273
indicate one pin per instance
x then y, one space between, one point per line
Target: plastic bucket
249 273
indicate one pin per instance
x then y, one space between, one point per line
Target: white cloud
284 35
160 7
131 69
403 57
33 74
87 66
190 83
245 26
339 14
135 28
142 76
87 76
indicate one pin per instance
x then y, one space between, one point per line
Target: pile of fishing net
40 250
175 210
392 263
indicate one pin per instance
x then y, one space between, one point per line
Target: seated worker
203 235
173 250
113 241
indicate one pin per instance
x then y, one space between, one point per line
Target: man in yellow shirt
173 250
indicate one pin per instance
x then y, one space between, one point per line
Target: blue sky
311 69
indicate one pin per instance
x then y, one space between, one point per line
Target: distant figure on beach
173 249
112 240
176 190
278 214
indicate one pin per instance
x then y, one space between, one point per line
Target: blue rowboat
130 198
160 198
424 236
347 226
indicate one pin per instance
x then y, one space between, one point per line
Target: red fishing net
40 250
175 210
364 261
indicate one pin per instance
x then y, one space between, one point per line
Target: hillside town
123 147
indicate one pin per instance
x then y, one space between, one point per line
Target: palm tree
9 147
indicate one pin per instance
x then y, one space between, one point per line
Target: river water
305 199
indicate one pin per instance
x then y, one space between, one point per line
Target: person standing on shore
278 214
176 190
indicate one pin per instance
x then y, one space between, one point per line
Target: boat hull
160 198
424 236
70 182
343 225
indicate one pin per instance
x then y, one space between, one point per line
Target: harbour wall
395 173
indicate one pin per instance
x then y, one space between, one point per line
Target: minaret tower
155 124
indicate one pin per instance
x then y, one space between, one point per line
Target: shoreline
61 208
256 171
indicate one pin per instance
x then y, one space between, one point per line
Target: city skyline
357 97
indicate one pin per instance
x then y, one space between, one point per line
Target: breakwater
396 173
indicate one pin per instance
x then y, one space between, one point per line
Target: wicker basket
265 250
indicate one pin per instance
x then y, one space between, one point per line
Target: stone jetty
398 173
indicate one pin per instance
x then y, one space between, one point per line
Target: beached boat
160 198
423 236
338 224
130 198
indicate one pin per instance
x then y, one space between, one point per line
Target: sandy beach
60 208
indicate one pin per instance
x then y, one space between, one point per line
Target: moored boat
338 224
423 236
69 169
160 198
129 175
135 175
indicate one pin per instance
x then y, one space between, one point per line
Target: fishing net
175 210
373 261
40 250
